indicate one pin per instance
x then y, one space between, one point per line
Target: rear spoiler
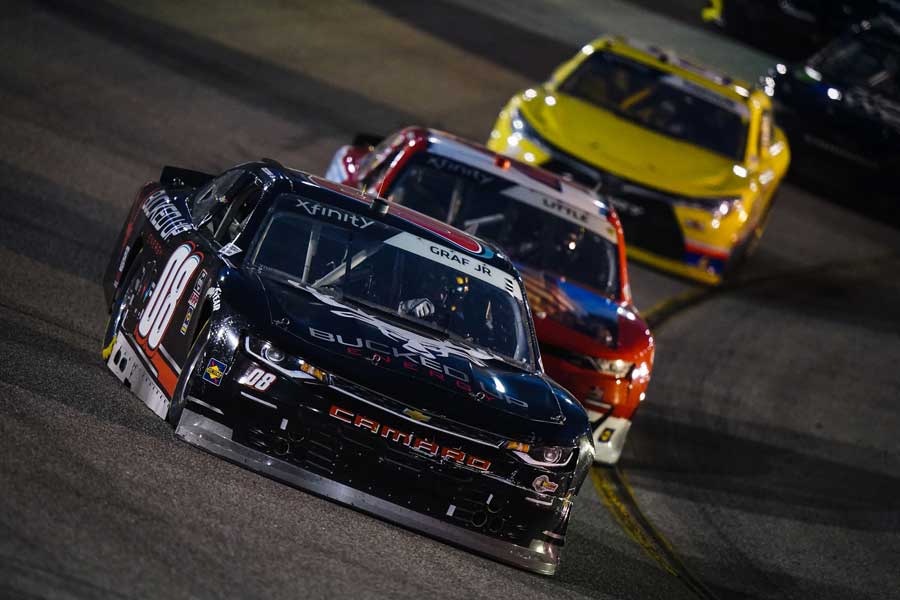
178 177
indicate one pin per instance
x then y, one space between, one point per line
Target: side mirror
367 140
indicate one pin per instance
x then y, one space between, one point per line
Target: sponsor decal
164 216
216 295
689 87
501 167
451 166
257 379
404 358
411 341
606 434
187 321
329 212
416 414
410 440
214 372
572 213
124 256
198 286
230 249
155 245
148 291
193 301
593 221
457 261
543 485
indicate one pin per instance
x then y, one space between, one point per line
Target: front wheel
191 369
748 246
127 290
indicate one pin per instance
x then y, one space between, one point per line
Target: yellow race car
690 159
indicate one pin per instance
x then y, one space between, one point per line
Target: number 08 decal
258 379
172 283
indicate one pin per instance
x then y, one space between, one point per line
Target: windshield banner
456 260
593 222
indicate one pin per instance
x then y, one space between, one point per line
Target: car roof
667 60
400 217
529 176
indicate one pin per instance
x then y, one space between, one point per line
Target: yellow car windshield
661 101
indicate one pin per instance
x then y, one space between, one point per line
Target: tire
183 387
748 247
121 299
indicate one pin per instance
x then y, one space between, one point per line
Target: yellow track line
659 311
612 486
613 502
618 497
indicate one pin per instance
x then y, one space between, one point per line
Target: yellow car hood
626 149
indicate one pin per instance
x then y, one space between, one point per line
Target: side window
764 141
209 203
427 191
374 165
375 175
245 195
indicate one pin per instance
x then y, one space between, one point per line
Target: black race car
359 350
792 29
841 109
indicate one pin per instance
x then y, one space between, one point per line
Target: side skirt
131 368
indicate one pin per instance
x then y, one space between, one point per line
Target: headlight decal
542 456
522 129
291 366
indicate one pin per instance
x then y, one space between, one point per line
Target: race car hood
581 320
625 149
563 308
416 368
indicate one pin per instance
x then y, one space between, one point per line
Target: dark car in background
366 353
792 29
841 109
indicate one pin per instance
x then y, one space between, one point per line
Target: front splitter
200 431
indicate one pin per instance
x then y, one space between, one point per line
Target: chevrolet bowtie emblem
415 414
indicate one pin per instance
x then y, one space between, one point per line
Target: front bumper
540 557
378 454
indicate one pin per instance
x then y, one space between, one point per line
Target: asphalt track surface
766 454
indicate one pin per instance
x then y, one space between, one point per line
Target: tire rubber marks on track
610 483
617 497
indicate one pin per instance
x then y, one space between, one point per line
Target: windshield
661 101
396 274
533 229
863 61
